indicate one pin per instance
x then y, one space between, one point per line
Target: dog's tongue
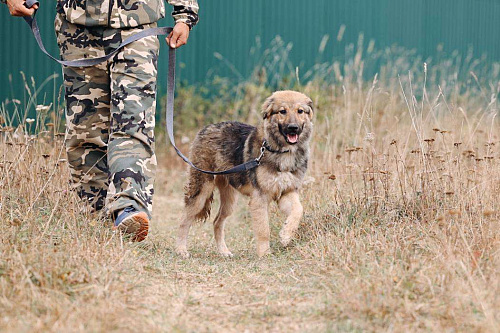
292 138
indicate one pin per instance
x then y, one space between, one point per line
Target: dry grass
401 229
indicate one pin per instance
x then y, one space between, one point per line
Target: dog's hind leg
198 199
291 206
228 199
260 222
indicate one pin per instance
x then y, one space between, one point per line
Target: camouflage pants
110 116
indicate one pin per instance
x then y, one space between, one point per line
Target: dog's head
288 117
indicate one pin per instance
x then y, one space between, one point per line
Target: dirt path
210 293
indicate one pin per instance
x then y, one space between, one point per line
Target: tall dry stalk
400 233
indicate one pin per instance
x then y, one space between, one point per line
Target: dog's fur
278 178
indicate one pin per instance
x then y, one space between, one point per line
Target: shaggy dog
283 137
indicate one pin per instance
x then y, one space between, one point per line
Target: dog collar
267 147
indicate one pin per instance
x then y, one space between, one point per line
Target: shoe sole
136 227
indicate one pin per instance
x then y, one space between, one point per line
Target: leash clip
262 150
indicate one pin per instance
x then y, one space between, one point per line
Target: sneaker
132 223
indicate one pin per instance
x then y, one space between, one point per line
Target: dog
284 137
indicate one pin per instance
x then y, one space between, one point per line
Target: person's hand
179 36
17 8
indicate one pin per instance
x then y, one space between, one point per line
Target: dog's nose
293 127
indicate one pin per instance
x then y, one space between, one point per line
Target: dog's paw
263 251
226 254
264 254
182 253
285 239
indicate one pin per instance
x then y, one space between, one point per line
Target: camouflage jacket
125 14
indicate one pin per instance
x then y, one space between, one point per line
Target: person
110 108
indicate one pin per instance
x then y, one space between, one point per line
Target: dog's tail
199 195
204 214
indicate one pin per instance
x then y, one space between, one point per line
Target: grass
400 233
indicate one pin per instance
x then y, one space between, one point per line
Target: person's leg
87 94
131 157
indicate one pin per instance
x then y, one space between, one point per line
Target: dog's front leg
291 206
260 222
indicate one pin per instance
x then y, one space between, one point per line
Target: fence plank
230 28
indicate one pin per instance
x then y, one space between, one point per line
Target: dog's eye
283 111
300 111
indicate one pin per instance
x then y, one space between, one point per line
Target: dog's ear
267 107
310 105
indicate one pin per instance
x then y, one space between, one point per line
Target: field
401 229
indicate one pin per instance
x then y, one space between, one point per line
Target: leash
88 62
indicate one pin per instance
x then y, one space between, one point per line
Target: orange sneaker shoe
133 224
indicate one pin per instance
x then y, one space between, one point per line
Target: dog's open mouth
292 138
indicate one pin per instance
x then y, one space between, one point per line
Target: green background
230 27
